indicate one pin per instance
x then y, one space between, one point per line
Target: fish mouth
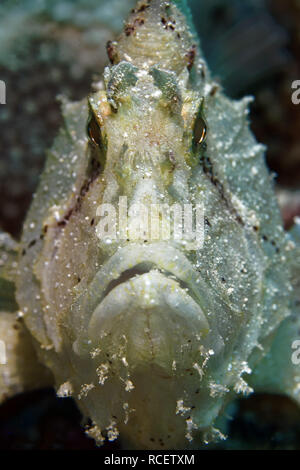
155 316
140 270
135 260
159 267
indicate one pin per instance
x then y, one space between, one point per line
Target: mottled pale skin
153 338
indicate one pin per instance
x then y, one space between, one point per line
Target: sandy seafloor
52 47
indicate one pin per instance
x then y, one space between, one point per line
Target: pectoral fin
279 371
20 369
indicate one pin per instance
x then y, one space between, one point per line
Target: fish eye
200 130
94 131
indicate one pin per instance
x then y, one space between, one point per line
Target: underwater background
54 47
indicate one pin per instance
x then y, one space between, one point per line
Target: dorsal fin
156 34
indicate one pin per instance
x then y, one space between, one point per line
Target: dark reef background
53 47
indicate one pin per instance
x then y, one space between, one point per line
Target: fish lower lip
150 299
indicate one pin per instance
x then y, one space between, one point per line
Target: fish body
154 332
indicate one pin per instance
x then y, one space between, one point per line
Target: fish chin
145 350
146 336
